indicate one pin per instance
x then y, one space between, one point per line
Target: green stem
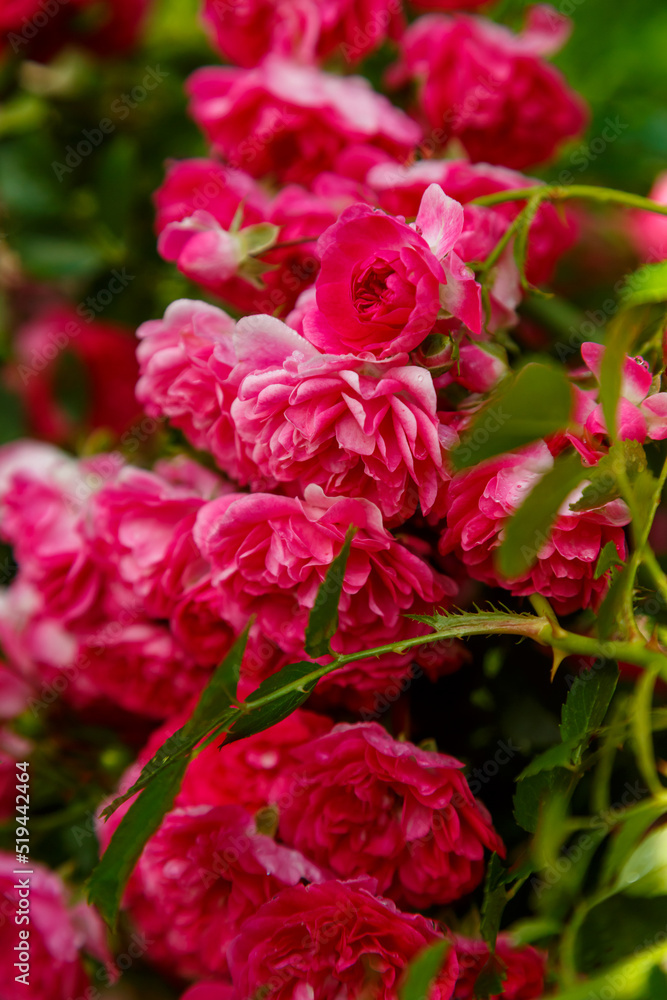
559 193
642 733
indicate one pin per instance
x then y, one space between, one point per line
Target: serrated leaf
529 797
142 819
422 970
253 719
213 705
528 529
495 898
586 705
323 619
559 755
607 559
517 414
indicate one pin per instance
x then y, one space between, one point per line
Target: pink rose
334 939
291 121
105 354
270 553
307 30
59 933
382 283
648 229
22 27
400 190
523 969
642 411
479 502
246 772
355 427
490 88
198 881
374 805
214 990
185 362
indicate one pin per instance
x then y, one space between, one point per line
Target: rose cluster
375 296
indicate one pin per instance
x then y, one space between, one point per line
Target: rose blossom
116 31
400 189
199 879
329 941
270 553
522 969
186 360
105 352
58 933
291 121
642 411
382 283
356 427
402 815
648 230
490 88
244 773
481 499
307 30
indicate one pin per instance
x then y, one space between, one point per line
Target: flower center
370 289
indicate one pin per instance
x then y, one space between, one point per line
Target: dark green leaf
528 529
255 718
517 414
611 609
531 794
422 970
142 819
495 898
489 982
587 704
323 619
559 755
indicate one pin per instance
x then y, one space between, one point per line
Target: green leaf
259 238
489 982
611 609
495 898
586 705
559 755
630 828
608 559
323 619
615 928
648 284
253 719
528 529
422 970
213 707
531 794
142 819
630 977
517 414
645 871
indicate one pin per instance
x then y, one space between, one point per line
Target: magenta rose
329 941
200 878
480 501
59 934
374 805
292 121
399 189
307 31
522 969
353 427
382 282
491 89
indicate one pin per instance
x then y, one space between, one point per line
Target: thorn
559 656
